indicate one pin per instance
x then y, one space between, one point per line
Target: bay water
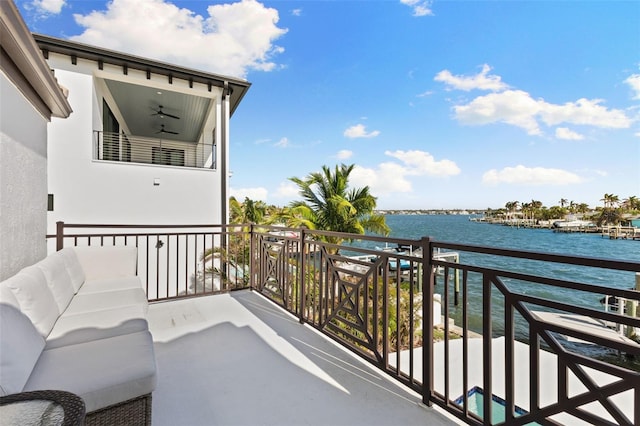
460 229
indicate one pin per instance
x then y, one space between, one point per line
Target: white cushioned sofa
76 321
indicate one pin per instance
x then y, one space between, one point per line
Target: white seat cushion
73 266
20 347
92 302
88 326
35 299
108 262
7 296
58 279
98 286
102 372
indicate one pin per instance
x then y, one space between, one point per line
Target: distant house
29 98
148 142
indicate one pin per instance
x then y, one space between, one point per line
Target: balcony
317 327
168 152
238 359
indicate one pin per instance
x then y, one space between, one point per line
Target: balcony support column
224 154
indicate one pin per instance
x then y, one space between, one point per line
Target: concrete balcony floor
238 359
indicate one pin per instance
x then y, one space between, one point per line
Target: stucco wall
23 181
89 191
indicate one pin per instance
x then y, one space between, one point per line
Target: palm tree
535 208
631 203
511 207
563 201
610 200
249 211
526 209
330 205
609 216
582 208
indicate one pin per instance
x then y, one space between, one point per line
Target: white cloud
287 190
256 194
360 131
296 12
48 6
233 39
521 175
393 177
387 178
518 108
480 81
283 143
420 7
344 154
513 107
425 94
634 82
419 163
585 112
567 134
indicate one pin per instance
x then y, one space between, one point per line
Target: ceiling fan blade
161 113
170 115
163 130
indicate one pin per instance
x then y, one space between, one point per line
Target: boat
614 303
573 224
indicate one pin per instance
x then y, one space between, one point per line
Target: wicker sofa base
134 412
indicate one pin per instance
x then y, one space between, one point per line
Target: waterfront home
294 340
148 142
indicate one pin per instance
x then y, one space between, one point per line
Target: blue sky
439 104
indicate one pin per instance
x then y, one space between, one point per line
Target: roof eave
23 51
80 50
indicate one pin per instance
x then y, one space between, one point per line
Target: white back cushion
101 263
74 268
58 279
36 301
20 347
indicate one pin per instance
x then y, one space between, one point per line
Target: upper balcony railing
493 336
125 148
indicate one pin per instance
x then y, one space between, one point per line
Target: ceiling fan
163 130
162 114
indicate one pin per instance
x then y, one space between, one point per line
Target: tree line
614 211
328 203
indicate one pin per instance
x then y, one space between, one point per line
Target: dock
583 324
582 229
621 232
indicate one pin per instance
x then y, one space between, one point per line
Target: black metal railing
173 260
493 336
127 148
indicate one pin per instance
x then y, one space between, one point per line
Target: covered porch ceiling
158 113
137 103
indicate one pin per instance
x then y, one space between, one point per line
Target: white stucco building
147 143
29 98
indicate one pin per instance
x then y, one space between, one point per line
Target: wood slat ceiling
138 105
